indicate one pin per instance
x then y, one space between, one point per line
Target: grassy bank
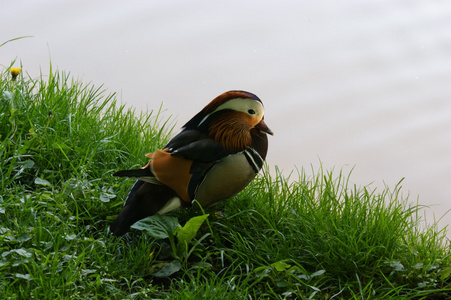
316 237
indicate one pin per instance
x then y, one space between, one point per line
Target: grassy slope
313 238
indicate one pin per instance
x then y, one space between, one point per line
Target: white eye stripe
203 120
244 105
248 106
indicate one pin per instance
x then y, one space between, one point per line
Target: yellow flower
15 72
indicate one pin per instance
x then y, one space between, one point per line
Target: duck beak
263 127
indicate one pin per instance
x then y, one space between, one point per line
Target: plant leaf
105 197
262 271
159 227
397 266
41 181
280 266
165 269
445 273
23 276
188 232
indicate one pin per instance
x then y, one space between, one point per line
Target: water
354 84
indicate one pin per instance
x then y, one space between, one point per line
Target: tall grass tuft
311 237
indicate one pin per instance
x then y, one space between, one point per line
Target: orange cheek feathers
171 171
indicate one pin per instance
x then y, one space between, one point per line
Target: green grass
311 237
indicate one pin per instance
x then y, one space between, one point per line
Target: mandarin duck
216 155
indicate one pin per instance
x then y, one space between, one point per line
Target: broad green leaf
318 273
27 164
41 181
105 197
22 252
445 273
23 276
397 266
159 227
24 237
280 266
7 96
188 232
262 271
70 237
165 269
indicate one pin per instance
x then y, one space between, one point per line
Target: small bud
15 72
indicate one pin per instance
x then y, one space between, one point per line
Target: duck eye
251 112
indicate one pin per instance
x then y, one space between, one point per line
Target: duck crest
223 98
232 131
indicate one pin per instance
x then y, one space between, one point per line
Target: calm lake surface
352 85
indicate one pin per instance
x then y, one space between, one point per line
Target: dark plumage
217 153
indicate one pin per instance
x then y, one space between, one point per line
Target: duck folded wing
196 146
